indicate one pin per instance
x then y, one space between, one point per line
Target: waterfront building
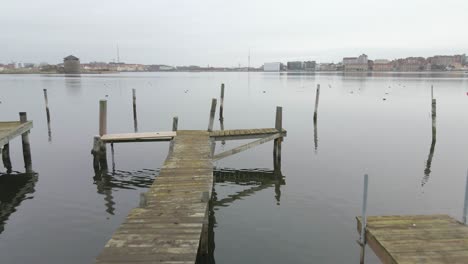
71 65
443 62
295 65
327 67
309 65
411 64
272 66
382 65
360 63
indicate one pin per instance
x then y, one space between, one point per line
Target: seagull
186 91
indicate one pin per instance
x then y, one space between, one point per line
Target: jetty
412 239
171 223
9 131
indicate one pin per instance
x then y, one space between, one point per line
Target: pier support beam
26 144
46 100
6 157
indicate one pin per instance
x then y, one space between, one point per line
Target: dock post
6 157
432 92
434 114
135 119
102 117
317 95
102 152
277 142
175 124
465 207
212 114
95 152
46 100
221 104
362 239
26 144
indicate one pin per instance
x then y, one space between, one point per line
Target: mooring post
221 104
95 152
434 114
212 114
6 157
26 144
465 207
46 100
277 142
102 117
317 95
175 124
112 156
362 239
102 152
135 119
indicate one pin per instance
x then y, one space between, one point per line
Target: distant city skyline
222 33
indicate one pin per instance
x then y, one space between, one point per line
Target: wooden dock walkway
417 239
171 224
9 131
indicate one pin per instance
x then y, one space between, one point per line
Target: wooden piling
221 105
175 123
6 157
135 119
95 152
277 142
102 117
46 100
212 114
434 130
26 144
317 95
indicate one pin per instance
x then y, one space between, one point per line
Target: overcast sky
221 32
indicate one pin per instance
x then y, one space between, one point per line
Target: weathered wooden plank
147 136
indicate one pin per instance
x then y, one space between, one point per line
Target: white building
272 66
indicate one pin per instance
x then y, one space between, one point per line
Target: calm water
65 214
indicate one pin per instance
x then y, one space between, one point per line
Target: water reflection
14 188
129 180
427 170
73 84
259 179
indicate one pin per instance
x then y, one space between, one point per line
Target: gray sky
220 32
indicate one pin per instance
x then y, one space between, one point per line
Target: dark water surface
65 214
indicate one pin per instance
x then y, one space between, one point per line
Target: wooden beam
102 117
246 147
132 137
26 145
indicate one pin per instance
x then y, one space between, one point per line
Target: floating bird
107 95
186 91
384 99
264 92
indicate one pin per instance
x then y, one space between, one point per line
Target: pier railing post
212 114
317 95
26 144
465 207
221 104
362 239
6 157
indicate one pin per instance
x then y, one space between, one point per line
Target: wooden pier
11 130
417 239
171 224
